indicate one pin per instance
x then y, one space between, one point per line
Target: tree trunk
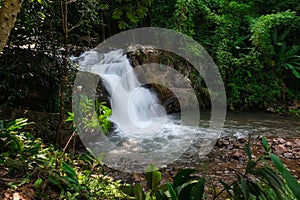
8 15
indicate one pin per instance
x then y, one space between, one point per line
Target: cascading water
135 109
143 129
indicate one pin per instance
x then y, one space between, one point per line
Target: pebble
226 142
296 149
297 143
278 141
297 155
280 149
219 143
288 144
288 155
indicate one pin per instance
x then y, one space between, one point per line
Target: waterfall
143 132
135 109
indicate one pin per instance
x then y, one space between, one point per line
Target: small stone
281 140
296 150
288 144
236 155
237 145
280 149
242 159
297 143
297 155
219 143
288 155
226 142
230 147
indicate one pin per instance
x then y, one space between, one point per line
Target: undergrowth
80 175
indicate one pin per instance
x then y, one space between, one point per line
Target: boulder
168 75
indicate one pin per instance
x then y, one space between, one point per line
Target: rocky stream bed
223 163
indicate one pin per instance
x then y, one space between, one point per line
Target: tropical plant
12 137
88 115
71 176
266 178
287 57
258 181
183 187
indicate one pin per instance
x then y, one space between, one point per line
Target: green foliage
11 137
184 186
261 35
286 57
70 176
88 115
268 183
128 13
258 181
295 112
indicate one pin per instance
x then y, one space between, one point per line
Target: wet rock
297 155
288 155
278 141
219 143
226 142
288 144
297 143
296 149
236 154
237 145
230 147
280 149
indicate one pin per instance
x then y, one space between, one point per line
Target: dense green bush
71 176
257 50
257 71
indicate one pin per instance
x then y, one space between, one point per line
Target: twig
67 144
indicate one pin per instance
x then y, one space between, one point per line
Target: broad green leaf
255 189
71 180
160 195
244 188
138 192
153 177
290 180
277 162
172 192
38 183
184 189
250 166
248 150
16 143
17 124
68 169
183 176
127 189
292 183
265 144
53 180
132 17
198 190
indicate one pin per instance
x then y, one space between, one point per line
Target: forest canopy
255 44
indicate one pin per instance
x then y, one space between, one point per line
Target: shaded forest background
255 44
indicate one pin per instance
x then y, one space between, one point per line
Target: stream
144 133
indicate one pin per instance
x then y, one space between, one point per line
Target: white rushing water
135 109
144 132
